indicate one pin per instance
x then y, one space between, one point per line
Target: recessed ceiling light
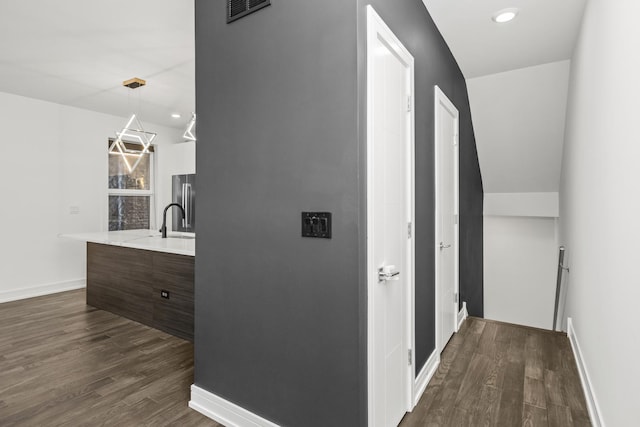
176 115
505 15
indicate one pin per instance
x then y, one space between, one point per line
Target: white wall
518 120
54 157
520 258
522 204
600 204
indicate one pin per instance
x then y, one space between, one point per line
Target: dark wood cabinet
129 282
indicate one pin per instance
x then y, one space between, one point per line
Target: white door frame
377 29
441 99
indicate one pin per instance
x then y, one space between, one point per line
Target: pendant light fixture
189 133
132 132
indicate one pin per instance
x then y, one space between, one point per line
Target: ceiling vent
236 9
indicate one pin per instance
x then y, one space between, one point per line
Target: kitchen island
143 277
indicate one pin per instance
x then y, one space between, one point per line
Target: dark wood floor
496 374
63 363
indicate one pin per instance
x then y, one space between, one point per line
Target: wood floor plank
534 392
487 342
559 416
475 377
504 333
510 410
485 412
497 369
532 416
441 411
516 346
461 418
551 352
476 326
447 359
553 388
534 365
442 405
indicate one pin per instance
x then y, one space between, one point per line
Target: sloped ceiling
519 119
544 31
517 74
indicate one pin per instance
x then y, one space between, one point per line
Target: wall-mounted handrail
561 269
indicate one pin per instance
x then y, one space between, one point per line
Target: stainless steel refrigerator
184 193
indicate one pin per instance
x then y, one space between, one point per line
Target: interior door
446 140
390 75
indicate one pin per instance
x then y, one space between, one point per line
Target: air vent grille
236 9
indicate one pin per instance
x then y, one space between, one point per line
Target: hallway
498 374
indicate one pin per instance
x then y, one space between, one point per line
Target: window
130 193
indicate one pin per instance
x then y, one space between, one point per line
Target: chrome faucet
163 230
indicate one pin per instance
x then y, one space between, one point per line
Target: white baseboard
592 402
425 375
36 291
462 314
223 411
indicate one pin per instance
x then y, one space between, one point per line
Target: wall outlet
164 294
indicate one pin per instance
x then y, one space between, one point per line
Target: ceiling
544 31
78 53
518 77
519 119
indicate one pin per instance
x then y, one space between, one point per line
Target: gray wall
277 316
434 65
281 320
471 208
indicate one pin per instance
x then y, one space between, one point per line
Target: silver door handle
387 273
443 246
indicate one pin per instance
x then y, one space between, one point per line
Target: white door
446 158
390 212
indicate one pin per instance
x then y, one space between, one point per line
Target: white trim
590 397
425 375
462 315
122 192
40 290
377 28
441 98
223 411
411 242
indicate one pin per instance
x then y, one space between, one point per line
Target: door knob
443 246
387 273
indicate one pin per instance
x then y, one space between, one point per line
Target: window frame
133 192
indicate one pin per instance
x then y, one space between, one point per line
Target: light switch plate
316 224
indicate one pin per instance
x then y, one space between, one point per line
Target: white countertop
148 240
